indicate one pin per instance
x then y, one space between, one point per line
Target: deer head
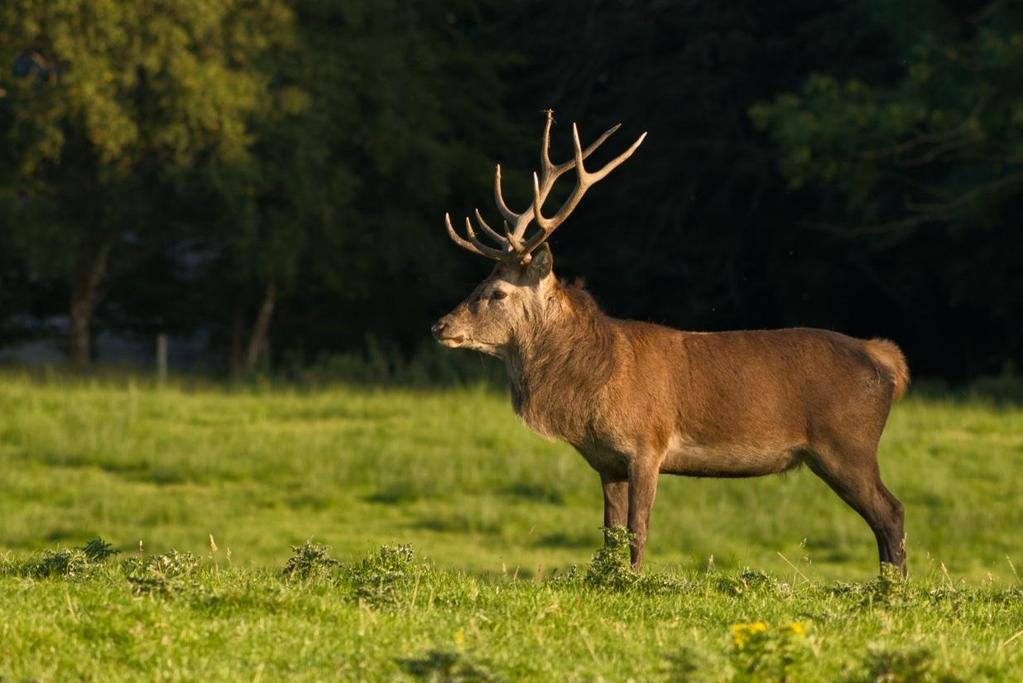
518 292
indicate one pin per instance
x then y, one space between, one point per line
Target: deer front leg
616 504
642 491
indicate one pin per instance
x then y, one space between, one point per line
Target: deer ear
542 262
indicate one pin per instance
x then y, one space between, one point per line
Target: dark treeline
273 173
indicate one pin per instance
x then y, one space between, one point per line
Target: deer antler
511 244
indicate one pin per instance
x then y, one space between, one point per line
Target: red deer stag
637 399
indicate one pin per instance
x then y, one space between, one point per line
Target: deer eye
498 294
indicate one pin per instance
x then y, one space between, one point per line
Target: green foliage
165 575
910 161
528 629
378 579
103 94
71 563
611 566
382 364
927 140
764 653
133 79
889 589
97 550
749 581
375 581
1003 389
310 561
240 148
611 569
195 158
109 110
261 468
915 664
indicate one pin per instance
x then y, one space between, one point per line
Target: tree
105 104
924 166
942 145
690 232
381 108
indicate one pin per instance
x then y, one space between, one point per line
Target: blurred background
264 181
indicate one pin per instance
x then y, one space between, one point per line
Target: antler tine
501 241
583 183
540 220
547 225
515 242
457 239
474 246
549 171
614 163
487 251
571 163
545 146
506 213
512 245
552 172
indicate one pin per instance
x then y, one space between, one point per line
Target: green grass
496 517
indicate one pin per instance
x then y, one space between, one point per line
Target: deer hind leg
616 503
853 474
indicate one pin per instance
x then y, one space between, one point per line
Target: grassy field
496 519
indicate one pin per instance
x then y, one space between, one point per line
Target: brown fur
890 356
637 399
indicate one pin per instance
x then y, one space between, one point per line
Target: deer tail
890 358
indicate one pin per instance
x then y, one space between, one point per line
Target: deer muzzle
443 332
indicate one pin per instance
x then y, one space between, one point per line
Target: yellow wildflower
796 628
741 633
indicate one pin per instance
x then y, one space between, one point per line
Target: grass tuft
310 561
97 550
378 579
913 664
71 563
166 575
611 566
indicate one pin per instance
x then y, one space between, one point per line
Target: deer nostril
438 328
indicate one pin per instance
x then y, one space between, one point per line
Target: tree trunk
236 358
89 271
258 340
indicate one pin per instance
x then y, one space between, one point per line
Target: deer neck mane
558 366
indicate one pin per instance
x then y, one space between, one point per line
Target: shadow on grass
444 665
561 539
534 492
394 494
458 525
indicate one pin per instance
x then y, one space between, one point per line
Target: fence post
161 359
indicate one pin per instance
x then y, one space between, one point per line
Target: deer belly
604 460
730 460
